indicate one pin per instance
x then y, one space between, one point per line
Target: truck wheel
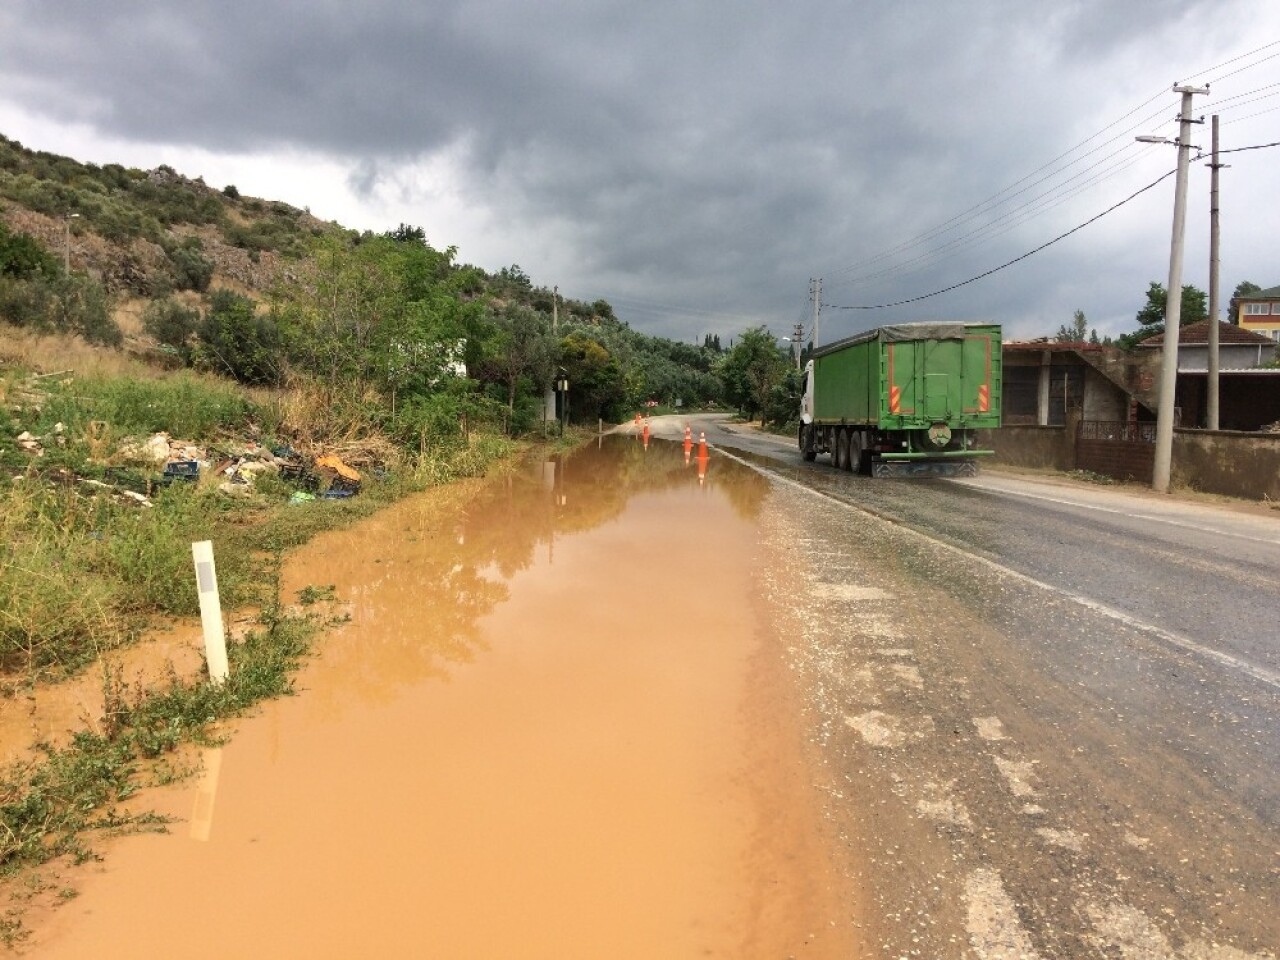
856 455
841 456
807 447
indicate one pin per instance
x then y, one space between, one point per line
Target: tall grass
183 405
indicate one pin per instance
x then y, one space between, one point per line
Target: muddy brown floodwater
557 725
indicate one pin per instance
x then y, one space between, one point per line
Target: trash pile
138 466
238 465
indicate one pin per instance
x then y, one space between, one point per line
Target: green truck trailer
903 400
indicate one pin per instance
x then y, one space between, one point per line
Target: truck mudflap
924 468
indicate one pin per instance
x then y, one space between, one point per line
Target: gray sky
697 163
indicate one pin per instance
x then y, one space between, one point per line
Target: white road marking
877 729
1018 774
1269 677
1153 518
1068 839
908 673
992 921
850 592
989 728
940 806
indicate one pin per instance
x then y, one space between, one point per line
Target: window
1257 309
1275 309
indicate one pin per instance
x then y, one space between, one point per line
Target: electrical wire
1249 66
1019 215
991 203
1015 223
1009 263
1235 59
971 212
1250 116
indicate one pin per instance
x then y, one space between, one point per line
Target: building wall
1224 462
1103 400
1194 357
1040 448
1267 324
1233 464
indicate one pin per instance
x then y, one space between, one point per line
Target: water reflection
206 794
419 576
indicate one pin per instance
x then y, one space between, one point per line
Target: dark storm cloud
713 154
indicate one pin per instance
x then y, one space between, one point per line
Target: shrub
172 325
237 341
190 268
23 257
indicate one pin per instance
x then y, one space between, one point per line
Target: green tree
1244 288
1077 332
517 352
595 379
750 370
1151 317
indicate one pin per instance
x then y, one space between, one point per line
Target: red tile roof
1199 333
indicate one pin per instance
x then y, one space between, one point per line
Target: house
1248 392
1260 312
1047 381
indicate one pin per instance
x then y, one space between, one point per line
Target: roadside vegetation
159 338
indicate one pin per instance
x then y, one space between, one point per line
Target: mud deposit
557 725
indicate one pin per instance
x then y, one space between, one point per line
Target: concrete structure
1048 383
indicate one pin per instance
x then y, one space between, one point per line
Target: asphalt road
1047 716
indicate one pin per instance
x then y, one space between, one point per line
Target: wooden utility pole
1211 403
555 308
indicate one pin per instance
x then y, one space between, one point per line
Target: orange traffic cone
702 470
702 446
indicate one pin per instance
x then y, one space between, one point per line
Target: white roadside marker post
215 641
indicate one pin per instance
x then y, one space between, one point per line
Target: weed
46 807
308 596
1091 477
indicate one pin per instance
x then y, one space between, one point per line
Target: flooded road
557 725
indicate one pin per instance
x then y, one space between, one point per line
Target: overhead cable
974 279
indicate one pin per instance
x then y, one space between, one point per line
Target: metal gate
1116 448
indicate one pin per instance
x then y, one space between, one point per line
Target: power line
1227 63
1062 236
1017 216
1259 146
989 202
1250 116
1248 66
1248 93
995 200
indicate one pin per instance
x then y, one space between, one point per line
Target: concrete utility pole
797 340
815 291
1173 300
1215 237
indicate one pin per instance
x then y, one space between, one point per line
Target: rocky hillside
148 233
